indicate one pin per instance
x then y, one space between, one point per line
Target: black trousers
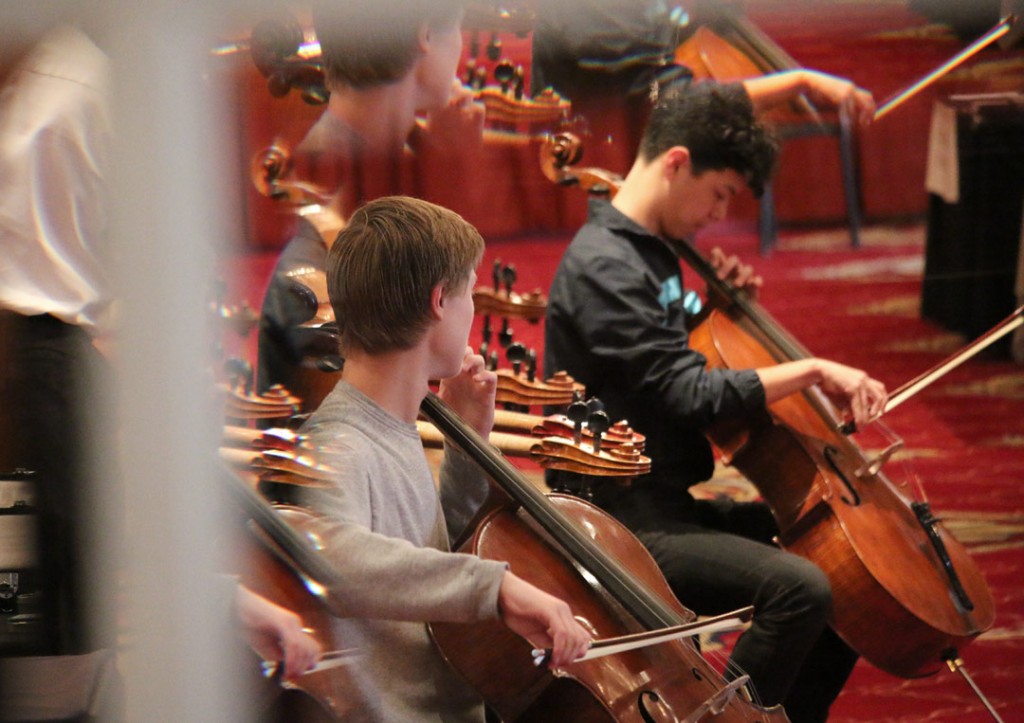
49 367
717 556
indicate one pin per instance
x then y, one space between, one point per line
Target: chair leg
851 184
768 226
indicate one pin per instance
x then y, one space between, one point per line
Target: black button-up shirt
615 321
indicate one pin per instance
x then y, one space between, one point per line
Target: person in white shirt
54 140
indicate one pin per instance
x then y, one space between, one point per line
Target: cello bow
1008 30
918 383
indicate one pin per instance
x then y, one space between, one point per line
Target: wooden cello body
577 552
906 594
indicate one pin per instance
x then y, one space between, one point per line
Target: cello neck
786 346
641 603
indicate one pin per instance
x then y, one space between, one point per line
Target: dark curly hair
716 123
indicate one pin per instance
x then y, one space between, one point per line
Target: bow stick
918 383
624 643
329 660
1001 29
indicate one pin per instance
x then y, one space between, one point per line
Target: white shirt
54 138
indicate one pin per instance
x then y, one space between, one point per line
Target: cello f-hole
830 453
642 706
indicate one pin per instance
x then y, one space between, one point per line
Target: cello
906 593
282 565
577 552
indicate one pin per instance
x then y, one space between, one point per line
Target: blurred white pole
166 188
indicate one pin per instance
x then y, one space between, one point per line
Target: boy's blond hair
384 265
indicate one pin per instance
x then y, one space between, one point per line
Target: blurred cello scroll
520 388
560 425
558 155
242 404
280 455
621 460
510 304
508 104
271 171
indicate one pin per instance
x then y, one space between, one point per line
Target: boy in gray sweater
400 277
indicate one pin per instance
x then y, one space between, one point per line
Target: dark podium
973 244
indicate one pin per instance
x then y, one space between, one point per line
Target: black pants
49 365
717 556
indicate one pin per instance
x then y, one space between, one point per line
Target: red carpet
964 435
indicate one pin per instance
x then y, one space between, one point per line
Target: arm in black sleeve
644 344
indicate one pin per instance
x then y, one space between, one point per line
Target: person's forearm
766 91
788 378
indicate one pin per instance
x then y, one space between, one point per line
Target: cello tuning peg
506 333
240 373
531 365
330 363
577 414
482 351
494 47
492 360
485 332
595 405
479 79
315 96
496 274
516 352
598 423
508 275
306 296
504 72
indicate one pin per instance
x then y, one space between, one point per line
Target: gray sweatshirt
389 539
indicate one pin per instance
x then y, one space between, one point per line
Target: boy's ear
676 158
424 37
437 302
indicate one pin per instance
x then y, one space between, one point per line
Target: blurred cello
279 562
727 47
